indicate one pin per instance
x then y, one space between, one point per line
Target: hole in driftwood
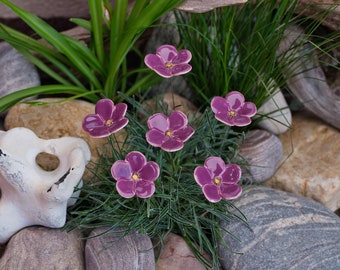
47 162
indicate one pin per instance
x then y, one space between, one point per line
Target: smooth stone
170 102
262 150
113 250
311 167
277 117
175 254
44 248
306 79
57 120
284 231
16 72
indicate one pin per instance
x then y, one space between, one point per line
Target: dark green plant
87 71
178 204
236 48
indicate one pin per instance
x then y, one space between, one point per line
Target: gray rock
16 72
113 250
285 231
44 248
262 150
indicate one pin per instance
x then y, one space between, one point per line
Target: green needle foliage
92 69
236 47
178 204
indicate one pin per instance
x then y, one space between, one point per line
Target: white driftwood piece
308 82
29 194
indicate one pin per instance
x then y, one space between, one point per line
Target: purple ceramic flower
168 62
108 119
218 180
233 110
135 176
169 133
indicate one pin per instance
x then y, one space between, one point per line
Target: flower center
169 133
231 113
108 122
217 181
135 177
168 65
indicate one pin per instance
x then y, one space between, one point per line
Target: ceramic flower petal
155 137
233 110
218 180
202 176
168 62
158 121
169 133
177 120
230 192
125 188
145 189
211 192
149 172
108 119
121 170
136 161
135 176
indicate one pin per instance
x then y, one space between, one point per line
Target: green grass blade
11 99
96 11
56 39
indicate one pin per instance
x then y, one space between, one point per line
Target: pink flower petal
145 189
231 174
119 111
92 121
242 121
117 125
183 57
177 120
202 176
211 192
167 52
155 137
158 121
136 160
172 145
230 192
225 118
219 105
104 108
99 132
184 134
152 61
180 69
234 100
121 170
248 109
215 164
126 188
150 171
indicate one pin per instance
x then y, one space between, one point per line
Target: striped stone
285 231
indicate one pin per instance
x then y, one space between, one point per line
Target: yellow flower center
231 113
135 177
217 181
169 65
169 133
108 122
